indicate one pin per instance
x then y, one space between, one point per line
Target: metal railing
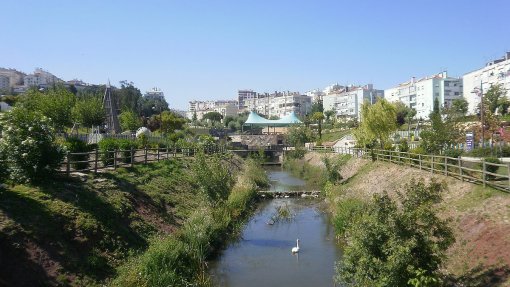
479 171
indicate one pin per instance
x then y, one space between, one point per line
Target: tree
403 113
318 117
89 112
378 121
329 114
150 107
317 107
55 103
494 97
129 96
442 133
129 121
297 136
396 242
213 116
171 122
459 106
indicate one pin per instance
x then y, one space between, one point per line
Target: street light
479 92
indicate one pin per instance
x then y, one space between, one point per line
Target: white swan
296 249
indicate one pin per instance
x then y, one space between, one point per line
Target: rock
82 176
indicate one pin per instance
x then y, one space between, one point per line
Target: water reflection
262 257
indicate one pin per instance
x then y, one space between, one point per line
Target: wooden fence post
132 156
158 152
445 166
460 168
68 164
432 165
391 152
483 172
95 161
115 159
145 155
508 168
419 159
166 152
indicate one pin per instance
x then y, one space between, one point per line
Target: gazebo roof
255 120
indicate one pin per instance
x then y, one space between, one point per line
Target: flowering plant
28 146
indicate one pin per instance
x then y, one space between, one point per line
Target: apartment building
494 72
4 84
40 77
154 94
420 94
346 101
200 108
279 104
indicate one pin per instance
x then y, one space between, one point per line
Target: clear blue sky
210 49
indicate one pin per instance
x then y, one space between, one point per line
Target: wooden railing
475 170
97 160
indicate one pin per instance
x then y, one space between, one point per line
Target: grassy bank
478 217
180 259
78 231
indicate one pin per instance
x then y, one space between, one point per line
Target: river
262 256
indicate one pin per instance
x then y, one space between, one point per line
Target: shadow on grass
482 276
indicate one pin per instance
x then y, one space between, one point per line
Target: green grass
473 199
92 227
334 135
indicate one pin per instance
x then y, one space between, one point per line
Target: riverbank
82 231
480 216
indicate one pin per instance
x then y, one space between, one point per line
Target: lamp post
479 92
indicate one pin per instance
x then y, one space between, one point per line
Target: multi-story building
347 101
243 95
200 108
494 72
420 94
316 95
154 94
4 84
279 104
39 78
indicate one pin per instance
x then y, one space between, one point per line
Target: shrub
28 144
297 153
404 146
491 168
75 145
126 146
453 152
391 240
106 148
345 212
212 177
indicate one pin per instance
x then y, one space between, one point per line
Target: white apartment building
316 95
40 77
200 108
154 94
279 104
4 84
347 101
420 94
243 95
494 72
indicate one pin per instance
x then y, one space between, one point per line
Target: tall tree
129 121
495 98
213 116
56 103
404 113
89 112
329 114
129 96
171 122
318 117
442 133
459 107
378 121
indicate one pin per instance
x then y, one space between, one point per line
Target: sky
206 50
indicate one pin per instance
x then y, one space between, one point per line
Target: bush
126 146
393 239
75 145
212 177
491 168
404 146
297 153
345 212
453 152
106 148
28 144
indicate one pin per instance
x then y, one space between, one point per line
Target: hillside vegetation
480 217
79 231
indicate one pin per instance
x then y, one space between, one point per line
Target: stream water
262 256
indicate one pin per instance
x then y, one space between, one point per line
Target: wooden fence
98 160
479 171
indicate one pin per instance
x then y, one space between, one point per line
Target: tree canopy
89 111
129 121
213 116
378 121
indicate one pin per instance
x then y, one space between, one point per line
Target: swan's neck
297 243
